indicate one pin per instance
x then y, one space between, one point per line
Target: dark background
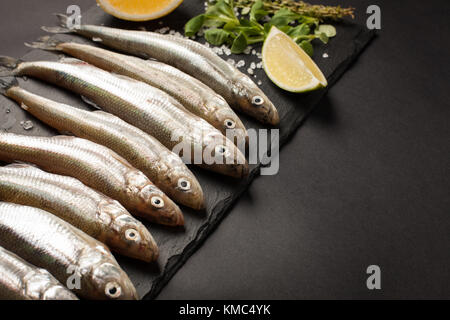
366 180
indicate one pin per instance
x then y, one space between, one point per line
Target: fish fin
63 28
19 164
45 43
22 164
90 102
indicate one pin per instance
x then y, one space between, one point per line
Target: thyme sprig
317 11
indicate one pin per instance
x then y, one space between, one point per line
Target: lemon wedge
288 66
139 10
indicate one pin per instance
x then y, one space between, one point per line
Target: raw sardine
20 280
164 168
99 216
96 166
189 56
190 92
69 254
143 106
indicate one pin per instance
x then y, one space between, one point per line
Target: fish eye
113 290
184 184
157 202
131 234
257 100
221 149
230 124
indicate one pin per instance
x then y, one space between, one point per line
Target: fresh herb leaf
299 30
221 11
323 37
283 17
245 11
239 44
328 29
307 47
217 37
194 25
257 11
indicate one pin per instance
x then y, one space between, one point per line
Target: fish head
101 276
112 283
226 120
125 234
151 202
222 156
253 101
183 186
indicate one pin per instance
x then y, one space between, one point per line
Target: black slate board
221 192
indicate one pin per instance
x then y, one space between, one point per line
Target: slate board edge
361 41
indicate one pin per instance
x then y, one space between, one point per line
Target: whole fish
189 56
69 254
192 93
20 280
96 166
164 168
99 216
143 106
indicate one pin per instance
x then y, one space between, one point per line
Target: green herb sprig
224 27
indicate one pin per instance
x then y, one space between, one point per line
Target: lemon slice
139 10
288 66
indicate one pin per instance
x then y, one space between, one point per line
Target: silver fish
164 168
190 92
20 280
48 242
189 56
96 166
145 107
99 216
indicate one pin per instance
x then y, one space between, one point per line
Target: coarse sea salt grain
231 61
259 65
253 65
325 55
240 63
259 82
250 71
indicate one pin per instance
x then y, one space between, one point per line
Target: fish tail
63 28
45 43
8 73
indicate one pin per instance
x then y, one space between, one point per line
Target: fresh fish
20 280
69 254
190 92
99 216
164 168
189 56
96 166
143 106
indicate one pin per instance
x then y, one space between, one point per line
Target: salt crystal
325 55
250 71
259 65
231 61
240 63
247 50
259 82
8 110
27 125
253 52
253 65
